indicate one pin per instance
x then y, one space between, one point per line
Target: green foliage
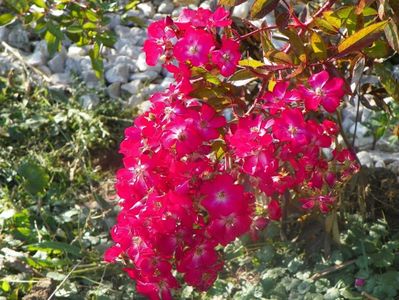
57 161
82 22
273 269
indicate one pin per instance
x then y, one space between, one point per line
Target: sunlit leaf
249 62
6 19
96 60
261 8
362 38
40 3
318 45
132 4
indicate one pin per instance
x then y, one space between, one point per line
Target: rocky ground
128 77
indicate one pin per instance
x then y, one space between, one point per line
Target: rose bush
211 161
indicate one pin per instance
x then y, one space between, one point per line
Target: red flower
159 35
291 127
227 57
274 210
221 196
194 47
324 91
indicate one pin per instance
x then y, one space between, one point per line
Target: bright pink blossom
194 47
222 196
227 57
323 90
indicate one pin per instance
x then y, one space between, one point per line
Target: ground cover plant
237 183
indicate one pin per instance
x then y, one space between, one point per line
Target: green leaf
89 25
50 246
35 177
379 49
231 3
361 38
5 286
40 3
392 35
96 60
250 62
91 15
108 39
74 29
131 4
318 45
261 8
326 27
6 19
212 79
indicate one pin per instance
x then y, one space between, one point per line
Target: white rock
361 130
126 60
114 90
57 63
118 73
364 142
4 34
349 112
130 50
205 5
61 78
115 20
46 70
89 101
40 54
347 124
380 164
72 64
135 99
167 82
90 78
365 159
241 11
76 51
151 89
148 75
141 62
166 7
147 8
19 38
132 87
366 114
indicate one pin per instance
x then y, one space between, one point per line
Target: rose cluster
192 173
